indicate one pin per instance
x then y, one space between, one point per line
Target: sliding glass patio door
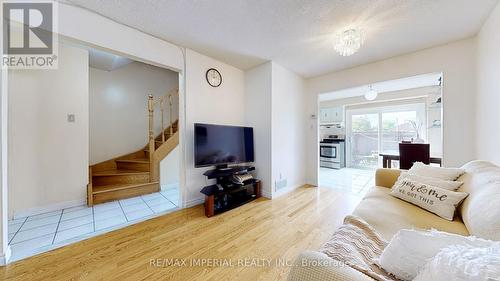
364 140
373 130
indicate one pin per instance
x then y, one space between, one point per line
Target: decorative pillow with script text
448 185
434 199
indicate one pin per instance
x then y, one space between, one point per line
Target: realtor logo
29 35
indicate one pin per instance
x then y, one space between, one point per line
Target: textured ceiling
298 33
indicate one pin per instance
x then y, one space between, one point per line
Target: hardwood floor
275 230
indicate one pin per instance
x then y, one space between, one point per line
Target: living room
270 81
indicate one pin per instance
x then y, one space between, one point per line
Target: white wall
258 106
457 62
4 248
488 100
288 128
170 170
48 156
118 107
205 104
275 107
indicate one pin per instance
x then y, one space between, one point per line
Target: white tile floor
39 233
349 180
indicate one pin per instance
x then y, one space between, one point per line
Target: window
373 130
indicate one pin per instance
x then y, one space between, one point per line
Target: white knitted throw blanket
358 245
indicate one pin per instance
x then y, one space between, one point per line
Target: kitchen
333 171
361 128
332 137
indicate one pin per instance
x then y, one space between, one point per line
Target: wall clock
214 78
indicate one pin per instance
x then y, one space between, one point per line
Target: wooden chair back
410 153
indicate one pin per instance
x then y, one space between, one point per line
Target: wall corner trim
4 259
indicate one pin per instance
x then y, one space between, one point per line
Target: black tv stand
222 167
227 171
226 195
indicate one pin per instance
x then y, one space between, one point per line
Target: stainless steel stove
332 152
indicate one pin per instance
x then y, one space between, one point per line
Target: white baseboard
284 191
4 259
266 194
193 202
169 186
49 208
311 182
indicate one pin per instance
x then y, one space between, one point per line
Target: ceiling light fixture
348 41
371 94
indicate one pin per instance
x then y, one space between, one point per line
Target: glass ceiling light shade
348 42
371 94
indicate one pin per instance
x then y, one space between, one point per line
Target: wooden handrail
170 103
151 138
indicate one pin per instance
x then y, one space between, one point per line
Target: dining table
389 156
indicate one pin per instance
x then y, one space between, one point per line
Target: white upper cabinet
331 115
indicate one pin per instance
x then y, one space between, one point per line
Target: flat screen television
219 145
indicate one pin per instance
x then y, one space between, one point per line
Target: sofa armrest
313 266
386 177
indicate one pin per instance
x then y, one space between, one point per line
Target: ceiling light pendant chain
371 94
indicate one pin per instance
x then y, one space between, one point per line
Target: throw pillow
409 250
437 200
447 174
480 210
463 262
448 185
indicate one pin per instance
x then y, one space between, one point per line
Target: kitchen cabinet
331 115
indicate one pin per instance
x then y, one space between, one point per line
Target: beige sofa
479 215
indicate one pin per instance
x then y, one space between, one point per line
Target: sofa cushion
409 250
463 262
388 215
447 174
439 201
448 185
480 210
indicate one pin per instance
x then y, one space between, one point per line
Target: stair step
113 192
119 172
141 165
120 177
141 161
116 187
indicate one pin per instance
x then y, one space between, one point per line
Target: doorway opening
90 167
362 126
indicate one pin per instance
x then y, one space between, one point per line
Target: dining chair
410 153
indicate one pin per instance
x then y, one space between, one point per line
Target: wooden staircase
136 173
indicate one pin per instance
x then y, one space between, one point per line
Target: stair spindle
151 133
170 103
162 109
